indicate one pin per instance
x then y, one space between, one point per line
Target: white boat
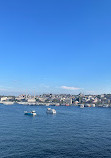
8 102
105 106
47 104
33 113
23 103
92 105
82 106
31 103
51 111
87 105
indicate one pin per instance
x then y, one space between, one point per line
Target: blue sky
55 46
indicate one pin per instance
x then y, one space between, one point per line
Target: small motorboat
51 111
105 106
33 113
8 103
82 106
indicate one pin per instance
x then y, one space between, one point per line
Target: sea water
71 133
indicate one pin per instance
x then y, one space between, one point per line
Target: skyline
55 46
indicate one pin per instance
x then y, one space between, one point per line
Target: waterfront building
67 101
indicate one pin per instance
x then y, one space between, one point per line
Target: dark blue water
71 133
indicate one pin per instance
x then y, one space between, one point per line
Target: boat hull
30 113
51 111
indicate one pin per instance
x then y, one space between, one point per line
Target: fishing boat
51 111
33 113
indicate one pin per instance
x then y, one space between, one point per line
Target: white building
67 101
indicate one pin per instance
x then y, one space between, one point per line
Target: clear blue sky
55 46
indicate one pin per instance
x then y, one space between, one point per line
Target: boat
82 106
105 106
87 105
47 104
33 113
8 103
92 105
67 104
57 104
51 111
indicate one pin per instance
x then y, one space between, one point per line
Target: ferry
51 111
32 113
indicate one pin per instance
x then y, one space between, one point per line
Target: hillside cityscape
103 100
